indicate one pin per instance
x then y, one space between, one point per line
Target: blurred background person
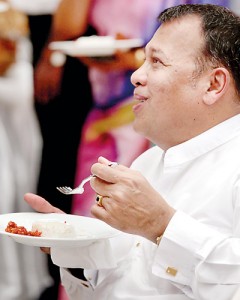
62 101
62 93
23 269
39 13
108 128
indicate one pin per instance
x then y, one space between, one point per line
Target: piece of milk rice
54 229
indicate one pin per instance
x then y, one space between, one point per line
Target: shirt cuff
101 254
185 243
95 256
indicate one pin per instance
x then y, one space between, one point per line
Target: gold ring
99 200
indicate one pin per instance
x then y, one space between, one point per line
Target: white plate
89 230
94 46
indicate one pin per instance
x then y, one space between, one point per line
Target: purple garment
133 19
110 121
216 2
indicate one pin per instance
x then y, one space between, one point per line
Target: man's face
168 91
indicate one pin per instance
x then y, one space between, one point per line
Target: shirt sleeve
198 259
102 254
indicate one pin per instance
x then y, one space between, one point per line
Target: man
179 204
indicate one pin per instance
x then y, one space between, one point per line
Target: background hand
121 60
47 80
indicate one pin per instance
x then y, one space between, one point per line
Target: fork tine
63 190
67 188
78 190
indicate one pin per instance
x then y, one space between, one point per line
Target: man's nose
138 77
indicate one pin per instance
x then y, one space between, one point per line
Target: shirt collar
203 143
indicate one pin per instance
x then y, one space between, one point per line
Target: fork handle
86 180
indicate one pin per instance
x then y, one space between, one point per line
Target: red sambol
13 228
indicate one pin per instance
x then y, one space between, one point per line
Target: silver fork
78 190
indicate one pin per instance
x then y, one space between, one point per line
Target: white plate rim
24 219
74 48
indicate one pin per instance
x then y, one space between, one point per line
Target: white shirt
23 269
199 254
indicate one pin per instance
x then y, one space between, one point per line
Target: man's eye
156 60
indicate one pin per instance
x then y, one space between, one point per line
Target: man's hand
40 204
130 203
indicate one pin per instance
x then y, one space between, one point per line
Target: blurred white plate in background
94 46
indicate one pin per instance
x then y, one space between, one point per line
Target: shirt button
171 271
138 244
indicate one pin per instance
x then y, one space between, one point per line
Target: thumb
40 204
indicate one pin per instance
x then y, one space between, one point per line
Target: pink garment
135 18
108 129
120 144
62 295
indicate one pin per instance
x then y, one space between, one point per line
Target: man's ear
218 83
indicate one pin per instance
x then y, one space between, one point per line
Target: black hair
221 32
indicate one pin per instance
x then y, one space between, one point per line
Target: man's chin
138 127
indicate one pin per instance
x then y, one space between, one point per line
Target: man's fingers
45 250
40 204
108 170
